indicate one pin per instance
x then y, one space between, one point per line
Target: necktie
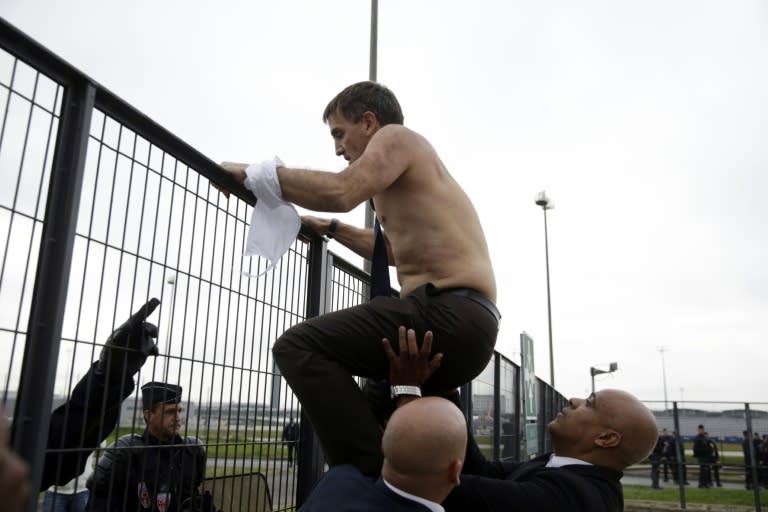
379 265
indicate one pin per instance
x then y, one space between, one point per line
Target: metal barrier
101 209
737 435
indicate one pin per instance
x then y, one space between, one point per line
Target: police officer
156 471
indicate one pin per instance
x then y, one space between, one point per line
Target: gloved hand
129 345
199 503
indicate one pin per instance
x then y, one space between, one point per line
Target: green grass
225 443
695 495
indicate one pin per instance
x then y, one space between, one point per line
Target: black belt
478 297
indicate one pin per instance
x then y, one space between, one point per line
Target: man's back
532 487
431 224
345 489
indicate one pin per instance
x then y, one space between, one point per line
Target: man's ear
455 471
371 122
608 439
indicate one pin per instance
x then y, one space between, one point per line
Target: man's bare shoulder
398 137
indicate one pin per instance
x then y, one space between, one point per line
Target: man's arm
358 240
387 156
108 478
82 423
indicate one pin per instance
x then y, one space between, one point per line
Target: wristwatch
405 390
332 229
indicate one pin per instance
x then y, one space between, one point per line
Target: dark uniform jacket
139 474
532 487
701 449
345 489
81 424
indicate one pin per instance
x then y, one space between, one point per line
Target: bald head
423 446
611 428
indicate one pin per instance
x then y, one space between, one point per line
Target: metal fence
738 433
101 209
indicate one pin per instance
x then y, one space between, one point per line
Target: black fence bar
496 440
310 451
50 64
41 351
682 472
753 458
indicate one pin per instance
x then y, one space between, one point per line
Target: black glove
199 503
129 345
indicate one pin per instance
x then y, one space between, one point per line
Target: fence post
312 458
496 405
682 471
466 403
41 351
752 458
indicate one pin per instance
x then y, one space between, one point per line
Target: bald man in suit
423 447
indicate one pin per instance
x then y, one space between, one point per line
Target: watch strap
405 390
332 228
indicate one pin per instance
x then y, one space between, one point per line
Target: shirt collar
434 507
556 461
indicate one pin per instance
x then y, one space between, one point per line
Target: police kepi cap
159 393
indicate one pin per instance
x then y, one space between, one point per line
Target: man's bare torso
432 227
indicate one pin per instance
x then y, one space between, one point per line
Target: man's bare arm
356 239
386 157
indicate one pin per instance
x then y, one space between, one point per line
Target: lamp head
544 201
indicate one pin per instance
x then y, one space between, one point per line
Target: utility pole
663 374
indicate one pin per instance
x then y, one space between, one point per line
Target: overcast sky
646 123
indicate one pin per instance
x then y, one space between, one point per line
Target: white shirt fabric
274 222
434 507
76 485
555 461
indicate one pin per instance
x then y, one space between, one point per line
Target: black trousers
319 357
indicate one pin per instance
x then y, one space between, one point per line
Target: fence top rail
24 48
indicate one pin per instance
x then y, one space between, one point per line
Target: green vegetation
253 444
695 495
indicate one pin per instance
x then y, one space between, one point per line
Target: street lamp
594 371
547 204
171 281
664 375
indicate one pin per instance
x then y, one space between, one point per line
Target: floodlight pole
372 64
664 374
547 204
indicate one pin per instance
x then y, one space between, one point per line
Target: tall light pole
171 280
594 371
372 66
663 374
547 204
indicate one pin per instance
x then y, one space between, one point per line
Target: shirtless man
433 238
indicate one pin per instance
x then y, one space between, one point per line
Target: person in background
291 434
701 451
158 470
746 448
655 460
73 495
714 460
666 456
81 421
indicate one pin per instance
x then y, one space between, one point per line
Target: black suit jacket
345 489
532 487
